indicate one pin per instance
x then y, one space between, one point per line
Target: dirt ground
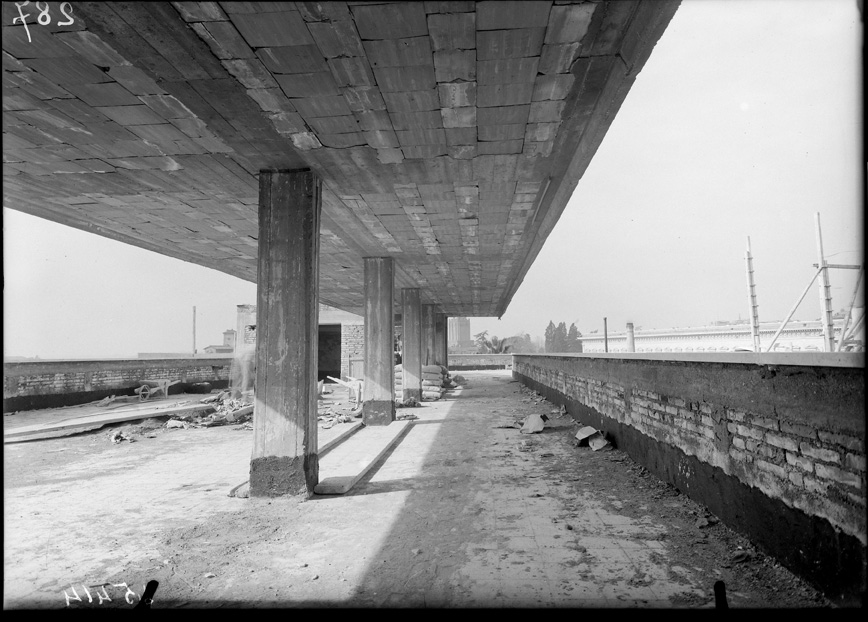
427 515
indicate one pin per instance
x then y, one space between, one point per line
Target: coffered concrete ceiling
448 135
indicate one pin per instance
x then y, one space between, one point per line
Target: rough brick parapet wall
817 467
105 375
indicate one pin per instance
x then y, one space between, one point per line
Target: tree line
559 339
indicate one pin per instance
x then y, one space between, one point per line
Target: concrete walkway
460 513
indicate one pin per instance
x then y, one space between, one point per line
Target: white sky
746 121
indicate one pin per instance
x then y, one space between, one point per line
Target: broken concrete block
532 424
175 423
598 441
585 432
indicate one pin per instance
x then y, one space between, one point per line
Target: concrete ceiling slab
448 135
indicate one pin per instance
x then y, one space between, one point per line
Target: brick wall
794 433
25 383
480 361
352 345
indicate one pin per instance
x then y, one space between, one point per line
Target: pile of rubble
226 409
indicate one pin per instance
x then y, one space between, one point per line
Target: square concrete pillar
378 394
411 363
440 339
428 335
284 459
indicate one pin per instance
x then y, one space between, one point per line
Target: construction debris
596 439
119 436
533 424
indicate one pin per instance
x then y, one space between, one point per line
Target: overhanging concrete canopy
448 135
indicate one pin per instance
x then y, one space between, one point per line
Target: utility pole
825 295
605 335
194 330
751 292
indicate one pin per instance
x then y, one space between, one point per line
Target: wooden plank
200 11
25 433
457 94
92 48
345 465
308 85
511 131
459 117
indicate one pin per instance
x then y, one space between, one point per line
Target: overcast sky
746 121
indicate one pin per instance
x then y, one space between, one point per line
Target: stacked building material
435 380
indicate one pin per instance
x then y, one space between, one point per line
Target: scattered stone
209 575
570 527
740 556
416 551
532 424
302 565
314 577
176 423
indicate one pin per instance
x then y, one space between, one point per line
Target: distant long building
720 337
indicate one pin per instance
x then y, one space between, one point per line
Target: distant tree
550 337
560 338
494 345
521 343
573 343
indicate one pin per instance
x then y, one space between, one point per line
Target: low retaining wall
774 445
479 361
50 384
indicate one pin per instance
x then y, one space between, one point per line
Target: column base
378 412
277 476
412 393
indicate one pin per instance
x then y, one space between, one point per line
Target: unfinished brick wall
85 378
352 345
794 433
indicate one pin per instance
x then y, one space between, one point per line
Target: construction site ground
463 511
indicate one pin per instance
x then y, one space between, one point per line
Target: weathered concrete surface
462 513
284 423
411 359
763 446
429 336
378 393
449 136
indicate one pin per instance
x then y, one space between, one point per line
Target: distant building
341 340
228 346
733 336
458 336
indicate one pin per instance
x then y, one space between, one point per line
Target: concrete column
378 395
284 459
439 339
428 336
631 342
411 320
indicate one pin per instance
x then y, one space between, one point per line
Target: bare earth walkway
463 512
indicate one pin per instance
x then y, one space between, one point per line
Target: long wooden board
345 466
